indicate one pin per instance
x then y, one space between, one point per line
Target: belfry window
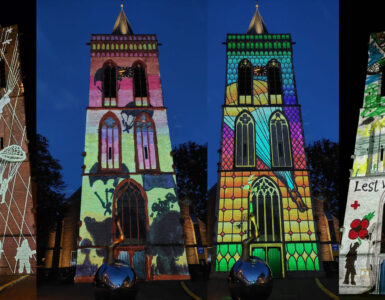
274 81
280 141
3 81
244 140
140 85
109 84
145 138
245 82
109 152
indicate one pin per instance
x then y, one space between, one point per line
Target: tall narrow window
140 85
131 212
109 152
382 81
280 141
370 166
244 140
274 81
3 81
245 82
109 84
265 198
145 138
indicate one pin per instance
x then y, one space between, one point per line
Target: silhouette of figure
351 257
24 253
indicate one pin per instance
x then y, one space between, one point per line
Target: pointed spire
257 26
122 25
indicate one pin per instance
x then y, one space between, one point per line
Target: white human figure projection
4 100
24 253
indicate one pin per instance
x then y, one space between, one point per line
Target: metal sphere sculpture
115 279
250 277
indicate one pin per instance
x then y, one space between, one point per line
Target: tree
49 191
190 160
323 162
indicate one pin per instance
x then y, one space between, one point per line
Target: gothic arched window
140 85
131 204
244 140
245 82
145 140
109 142
265 198
274 81
109 84
280 141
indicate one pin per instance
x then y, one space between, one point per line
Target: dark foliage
50 196
323 162
190 160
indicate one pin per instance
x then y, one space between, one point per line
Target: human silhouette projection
351 257
24 253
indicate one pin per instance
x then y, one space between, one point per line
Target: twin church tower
128 168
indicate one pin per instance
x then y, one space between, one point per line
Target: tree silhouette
323 162
190 160
49 191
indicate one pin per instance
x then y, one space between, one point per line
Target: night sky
192 66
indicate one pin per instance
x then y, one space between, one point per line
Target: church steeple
257 26
122 25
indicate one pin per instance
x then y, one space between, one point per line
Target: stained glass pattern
227 255
227 148
296 135
302 257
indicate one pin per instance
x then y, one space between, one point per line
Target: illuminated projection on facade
362 254
17 239
263 171
128 163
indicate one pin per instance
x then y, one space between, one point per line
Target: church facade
128 170
17 221
362 253
263 176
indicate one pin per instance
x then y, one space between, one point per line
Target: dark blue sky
192 65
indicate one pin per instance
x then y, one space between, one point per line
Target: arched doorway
130 207
265 205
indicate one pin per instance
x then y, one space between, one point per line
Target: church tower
263 180
128 170
17 221
362 253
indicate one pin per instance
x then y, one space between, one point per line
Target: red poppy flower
359 227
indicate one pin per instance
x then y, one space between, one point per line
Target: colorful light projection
263 165
18 240
362 250
128 161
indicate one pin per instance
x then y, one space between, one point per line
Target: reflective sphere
250 279
115 281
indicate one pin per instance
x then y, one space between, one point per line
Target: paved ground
289 288
23 290
155 290
215 289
